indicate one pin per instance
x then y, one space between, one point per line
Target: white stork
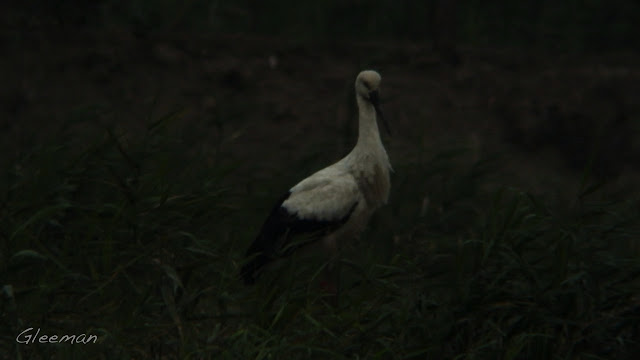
336 202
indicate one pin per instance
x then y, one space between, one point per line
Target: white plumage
335 203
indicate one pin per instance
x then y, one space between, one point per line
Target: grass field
138 239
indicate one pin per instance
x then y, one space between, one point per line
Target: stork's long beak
375 101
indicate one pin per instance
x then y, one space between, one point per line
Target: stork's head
368 81
367 85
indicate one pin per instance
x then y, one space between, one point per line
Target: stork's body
335 203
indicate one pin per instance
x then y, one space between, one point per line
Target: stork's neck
368 135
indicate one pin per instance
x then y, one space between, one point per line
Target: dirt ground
270 102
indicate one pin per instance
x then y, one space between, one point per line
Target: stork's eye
367 85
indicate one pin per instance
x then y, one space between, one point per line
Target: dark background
144 142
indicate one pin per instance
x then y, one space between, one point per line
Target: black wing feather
273 241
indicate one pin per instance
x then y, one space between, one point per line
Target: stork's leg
330 284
